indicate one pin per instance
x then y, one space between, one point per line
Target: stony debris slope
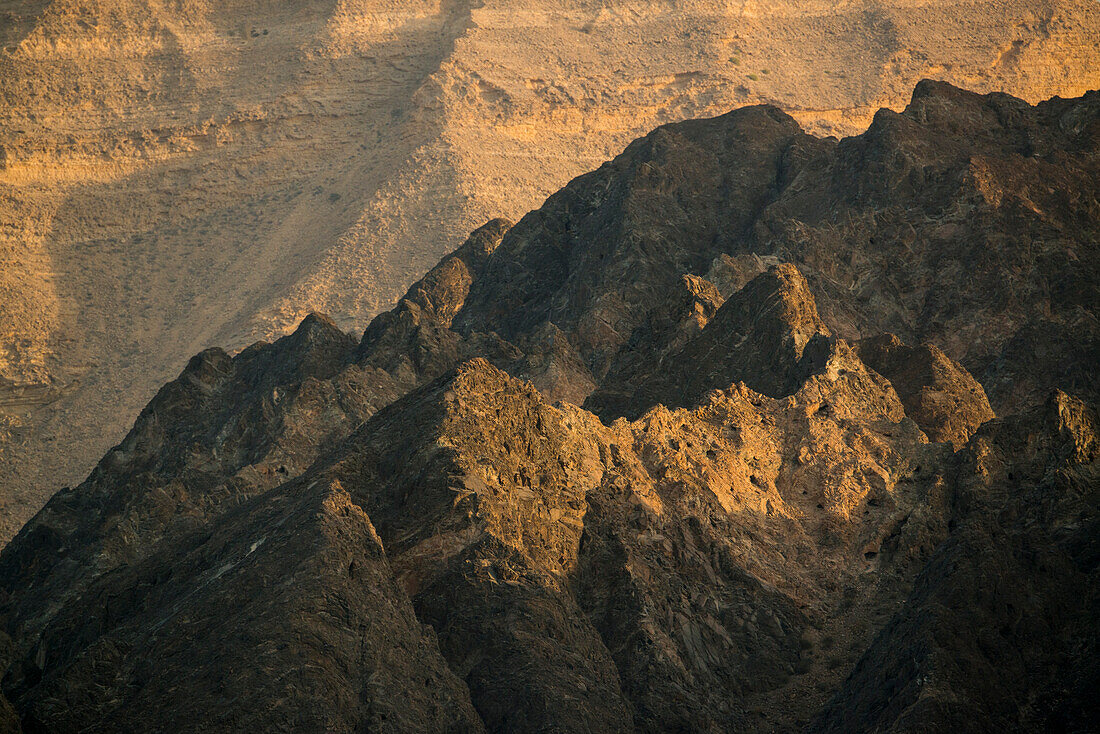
707 443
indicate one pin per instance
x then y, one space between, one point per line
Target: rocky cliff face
744 431
179 174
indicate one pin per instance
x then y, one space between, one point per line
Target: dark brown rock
292 594
995 633
756 337
945 401
607 248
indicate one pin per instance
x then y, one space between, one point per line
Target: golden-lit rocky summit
175 175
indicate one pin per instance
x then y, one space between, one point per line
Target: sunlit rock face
745 430
176 175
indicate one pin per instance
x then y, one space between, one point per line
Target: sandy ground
180 175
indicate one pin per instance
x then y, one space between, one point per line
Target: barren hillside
175 175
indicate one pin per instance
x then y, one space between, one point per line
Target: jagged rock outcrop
945 401
998 632
758 337
757 511
929 226
292 592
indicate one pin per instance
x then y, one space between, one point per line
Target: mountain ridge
180 175
796 541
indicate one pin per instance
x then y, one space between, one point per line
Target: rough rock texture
757 510
999 631
179 174
292 592
945 401
758 337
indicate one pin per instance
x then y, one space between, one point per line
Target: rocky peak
756 337
945 401
440 294
603 250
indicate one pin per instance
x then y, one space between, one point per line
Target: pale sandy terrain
179 174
